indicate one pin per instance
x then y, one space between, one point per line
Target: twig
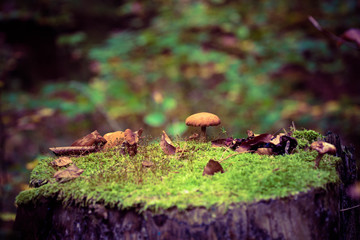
345 209
182 151
330 34
231 155
227 149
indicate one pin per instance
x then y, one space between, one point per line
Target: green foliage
177 58
176 180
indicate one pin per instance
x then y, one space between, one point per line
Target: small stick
345 209
227 149
231 155
182 150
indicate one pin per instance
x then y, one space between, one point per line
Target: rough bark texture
349 219
312 215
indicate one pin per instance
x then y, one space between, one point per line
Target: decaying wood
68 151
316 214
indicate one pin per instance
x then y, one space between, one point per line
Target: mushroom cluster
203 120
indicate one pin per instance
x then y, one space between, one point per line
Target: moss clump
306 137
122 181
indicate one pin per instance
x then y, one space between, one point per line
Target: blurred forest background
70 67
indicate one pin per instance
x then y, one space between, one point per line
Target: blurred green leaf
155 119
176 128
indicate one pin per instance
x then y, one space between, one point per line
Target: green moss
306 137
121 181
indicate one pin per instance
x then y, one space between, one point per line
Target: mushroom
203 120
322 147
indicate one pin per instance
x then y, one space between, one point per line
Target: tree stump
315 214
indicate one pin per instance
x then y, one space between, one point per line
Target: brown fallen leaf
276 140
147 163
131 137
92 139
212 167
69 173
119 137
264 151
242 149
254 142
352 35
193 137
167 145
73 150
61 162
223 142
114 139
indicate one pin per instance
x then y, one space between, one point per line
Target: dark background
70 67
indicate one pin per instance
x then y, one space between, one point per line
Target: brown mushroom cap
323 147
203 119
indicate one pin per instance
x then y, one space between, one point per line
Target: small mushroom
322 147
203 120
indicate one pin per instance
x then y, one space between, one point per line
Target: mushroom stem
317 160
203 134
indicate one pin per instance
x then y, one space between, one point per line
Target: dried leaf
114 139
92 139
131 137
276 140
212 167
250 133
264 151
147 163
222 142
75 150
242 149
70 173
195 136
167 145
254 143
61 162
117 138
352 35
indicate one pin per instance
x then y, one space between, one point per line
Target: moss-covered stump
257 197
310 215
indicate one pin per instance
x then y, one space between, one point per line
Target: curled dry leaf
147 163
119 137
166 144
92 139
131 137
352 35
74 150
61 162
212 167
67 174
254 142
